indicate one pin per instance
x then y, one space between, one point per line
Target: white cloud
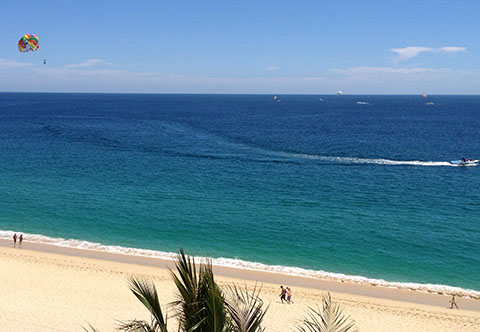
358 71
453 49
271 68
4 63
412 51
86 63
405 80
354 80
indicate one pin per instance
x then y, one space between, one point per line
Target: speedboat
465 162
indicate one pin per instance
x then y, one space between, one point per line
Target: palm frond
136 326
189 308
212 297
245 309
200 305
146 292
90 329
330 318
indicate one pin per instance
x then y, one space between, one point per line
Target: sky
243 46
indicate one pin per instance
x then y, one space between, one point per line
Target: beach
49 288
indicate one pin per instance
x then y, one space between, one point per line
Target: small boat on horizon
339 92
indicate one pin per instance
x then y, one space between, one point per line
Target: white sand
43 291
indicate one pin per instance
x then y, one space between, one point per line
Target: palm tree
330 318
200 305
203 306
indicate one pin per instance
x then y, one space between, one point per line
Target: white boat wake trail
377 161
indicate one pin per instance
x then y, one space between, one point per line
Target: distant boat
339 92
363 103
465 162
321 99
429 103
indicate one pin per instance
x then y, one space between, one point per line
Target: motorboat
465 162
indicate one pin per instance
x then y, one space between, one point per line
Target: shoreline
414 296
239 264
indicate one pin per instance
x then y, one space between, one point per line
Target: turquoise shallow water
332 185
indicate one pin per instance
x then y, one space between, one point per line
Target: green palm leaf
212 297
146 293
200 305
245 309
137 326
330 318
189 309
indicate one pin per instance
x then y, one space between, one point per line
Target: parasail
275 97
424 95
28 43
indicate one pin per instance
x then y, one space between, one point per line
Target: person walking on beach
282 294
453 302
15 240
289 296
20 240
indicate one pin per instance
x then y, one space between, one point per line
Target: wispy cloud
369 71
453 49
406 80
86 63
4 63
412 51
271 68
98 78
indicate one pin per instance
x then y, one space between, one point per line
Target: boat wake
243 150
241 264
375 161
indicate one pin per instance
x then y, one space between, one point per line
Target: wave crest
241 264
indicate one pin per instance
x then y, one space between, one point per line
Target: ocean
314 185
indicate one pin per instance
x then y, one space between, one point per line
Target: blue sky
312 47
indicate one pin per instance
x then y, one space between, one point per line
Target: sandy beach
46 288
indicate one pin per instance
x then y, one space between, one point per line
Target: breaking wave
241 264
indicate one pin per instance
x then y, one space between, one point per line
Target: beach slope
44 291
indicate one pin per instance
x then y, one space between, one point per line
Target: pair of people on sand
20 240
286 295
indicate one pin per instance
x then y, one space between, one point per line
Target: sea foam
241 264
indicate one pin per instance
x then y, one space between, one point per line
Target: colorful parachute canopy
27 43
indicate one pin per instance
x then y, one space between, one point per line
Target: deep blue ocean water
332 185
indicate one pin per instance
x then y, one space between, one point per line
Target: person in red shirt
14 240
